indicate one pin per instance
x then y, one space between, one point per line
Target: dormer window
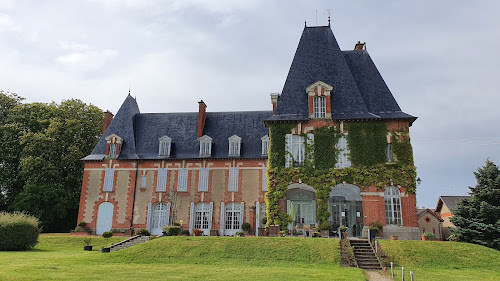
113 146
265 145
234 145
205 146
319 100
165 145
319 110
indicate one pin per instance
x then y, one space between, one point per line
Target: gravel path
376 276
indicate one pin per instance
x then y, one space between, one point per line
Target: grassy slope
180 258
435 260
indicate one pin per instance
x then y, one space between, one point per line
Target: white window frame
343 160
233 179
233 217
202 215
182 179
319 107
392 206
161 181
234 145
205 146
203 179
295 150
109 178
165 146
265 145
113 148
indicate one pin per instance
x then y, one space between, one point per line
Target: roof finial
305 23
329 12
130 86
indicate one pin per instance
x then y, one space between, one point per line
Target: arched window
202 215
392 206
233 213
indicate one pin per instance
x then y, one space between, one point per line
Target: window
392 199
182 179
109 177
294 150
160 217
233 214
234 145
265 145
233 179
165 144
343 156
202 215
112 150
319 107
203 180
161 181
143 181
205 146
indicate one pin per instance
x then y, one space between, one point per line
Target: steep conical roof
359 92
124 127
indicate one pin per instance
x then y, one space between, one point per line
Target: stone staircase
365 255
132 241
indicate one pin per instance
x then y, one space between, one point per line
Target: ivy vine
401 147
367 143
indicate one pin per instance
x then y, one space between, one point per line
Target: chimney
360 46
274 100
108 117
201 117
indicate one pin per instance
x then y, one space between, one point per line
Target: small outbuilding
429 221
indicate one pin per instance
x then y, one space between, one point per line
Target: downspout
133 202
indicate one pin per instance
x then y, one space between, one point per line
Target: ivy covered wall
367 143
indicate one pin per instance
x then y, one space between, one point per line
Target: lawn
439 260
180 258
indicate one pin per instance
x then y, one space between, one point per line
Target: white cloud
86 60
8 24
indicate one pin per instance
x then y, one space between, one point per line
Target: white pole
376 246
411 275
403 273
392 270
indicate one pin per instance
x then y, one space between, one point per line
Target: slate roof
141 131
359 91
450 202
421 212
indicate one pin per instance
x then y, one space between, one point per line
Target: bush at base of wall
18 231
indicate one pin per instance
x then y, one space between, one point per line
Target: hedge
18 231
172 230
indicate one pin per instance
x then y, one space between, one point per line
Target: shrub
143 232
177 224
264 220
172 230
82 224
245 226
283 233
453 237
18 231
429 235
184 232
87 241
324 226
107 235
239 234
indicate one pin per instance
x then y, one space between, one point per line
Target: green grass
438 260
180 258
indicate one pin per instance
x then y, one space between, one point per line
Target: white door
232 224
104 218
160 218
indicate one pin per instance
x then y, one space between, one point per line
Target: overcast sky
439 58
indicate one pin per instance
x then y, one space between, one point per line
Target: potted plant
283 233
343 232
197 232
262 230
184 232
107 235
373 232
245 227
428 236
87 246
239 234
324 229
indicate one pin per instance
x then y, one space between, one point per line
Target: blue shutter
168 213
150 211
182 179
310 143
233 179
109 177
288 150
210 215
203 180
222 218
257 218
191 218
242 213
161 182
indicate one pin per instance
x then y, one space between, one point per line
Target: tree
41 146
478 218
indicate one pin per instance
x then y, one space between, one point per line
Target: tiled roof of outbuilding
359 91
